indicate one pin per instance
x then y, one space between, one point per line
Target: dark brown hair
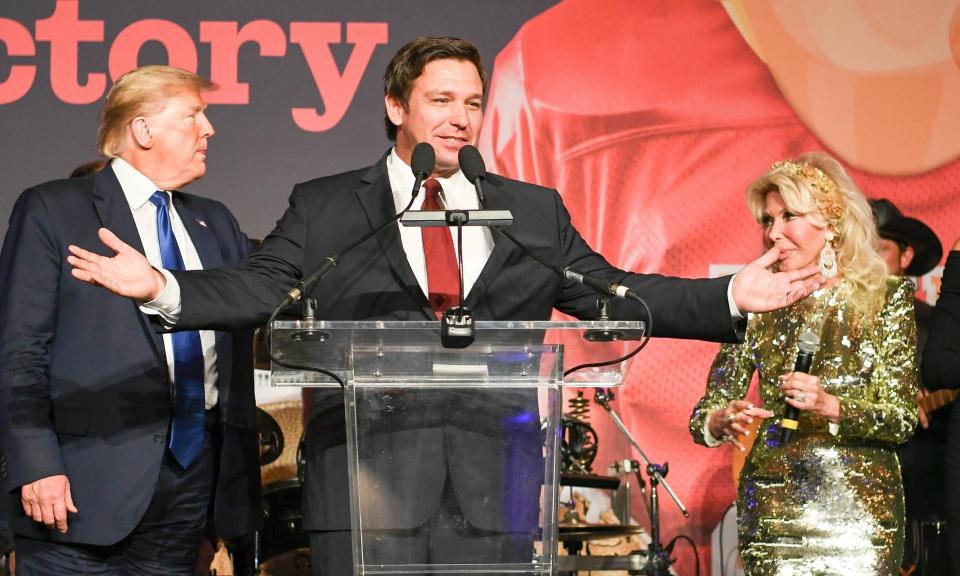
408 64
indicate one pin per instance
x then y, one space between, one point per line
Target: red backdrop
652 118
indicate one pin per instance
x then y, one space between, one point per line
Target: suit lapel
376 199
115 215
198 227
496 199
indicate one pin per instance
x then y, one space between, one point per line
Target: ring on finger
800 397
731 416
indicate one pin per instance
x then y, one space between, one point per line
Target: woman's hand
803 392
729 423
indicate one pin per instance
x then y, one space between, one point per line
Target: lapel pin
201 222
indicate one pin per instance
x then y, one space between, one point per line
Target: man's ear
140 129
395 110
906 257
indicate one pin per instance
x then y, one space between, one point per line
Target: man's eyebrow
449 92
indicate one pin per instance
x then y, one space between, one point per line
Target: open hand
127 273
757 289
729 423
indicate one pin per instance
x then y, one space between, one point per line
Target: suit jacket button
158 438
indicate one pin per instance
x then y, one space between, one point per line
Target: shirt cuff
734 311
708 438
167 303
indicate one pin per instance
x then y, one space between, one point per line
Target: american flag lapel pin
202 222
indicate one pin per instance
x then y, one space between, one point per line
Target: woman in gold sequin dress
829 501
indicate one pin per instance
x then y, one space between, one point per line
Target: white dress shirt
138 189
458 194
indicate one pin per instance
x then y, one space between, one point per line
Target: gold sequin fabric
825 503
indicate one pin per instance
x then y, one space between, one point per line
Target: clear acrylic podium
452 454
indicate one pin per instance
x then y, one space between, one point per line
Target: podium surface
452 454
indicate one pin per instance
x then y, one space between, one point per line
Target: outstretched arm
126 273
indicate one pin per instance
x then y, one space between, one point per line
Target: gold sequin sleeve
729 379
888 410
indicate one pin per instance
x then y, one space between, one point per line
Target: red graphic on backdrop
652 118
66 33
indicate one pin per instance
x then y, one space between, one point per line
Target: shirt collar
457 190
136 187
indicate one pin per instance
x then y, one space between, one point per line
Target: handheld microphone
421 162
472 166
808 345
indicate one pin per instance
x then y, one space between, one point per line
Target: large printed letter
225 43
18 41
125 52
335 90
65 31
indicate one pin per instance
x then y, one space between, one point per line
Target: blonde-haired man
117 437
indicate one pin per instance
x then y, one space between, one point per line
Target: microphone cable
473 168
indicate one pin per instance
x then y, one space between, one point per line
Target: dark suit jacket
921 457
941 369
84 387
375 281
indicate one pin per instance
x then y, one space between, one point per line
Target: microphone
421 162
472 166
808 345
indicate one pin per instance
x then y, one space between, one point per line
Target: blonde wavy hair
815 186
141 91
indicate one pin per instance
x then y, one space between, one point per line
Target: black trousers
164 543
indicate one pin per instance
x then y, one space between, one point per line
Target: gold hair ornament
826 193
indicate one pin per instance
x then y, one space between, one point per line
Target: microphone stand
658 557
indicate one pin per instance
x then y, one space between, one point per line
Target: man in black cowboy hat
911 248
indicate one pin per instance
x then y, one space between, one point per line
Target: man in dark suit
941 369
911 248
119 440
433 93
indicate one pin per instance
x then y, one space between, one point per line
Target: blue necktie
186 428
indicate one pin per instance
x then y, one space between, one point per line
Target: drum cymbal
288 416
576 532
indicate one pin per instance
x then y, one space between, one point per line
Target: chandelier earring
828 258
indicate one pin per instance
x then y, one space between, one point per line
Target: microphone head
471 163
808 342
423 160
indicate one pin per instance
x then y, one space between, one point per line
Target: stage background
650 117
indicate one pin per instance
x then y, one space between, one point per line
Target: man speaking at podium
434 90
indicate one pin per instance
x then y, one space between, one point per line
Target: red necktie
443 274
